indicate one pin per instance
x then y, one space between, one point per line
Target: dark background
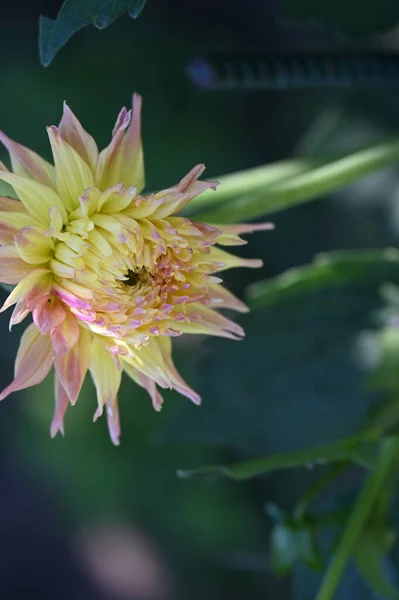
82 520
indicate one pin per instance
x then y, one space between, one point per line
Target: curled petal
27 163
33 246
122 161
174 199
61 405
105 373
72 366
36 198
48 314
33 362
12 268
65 335
73 173
73 133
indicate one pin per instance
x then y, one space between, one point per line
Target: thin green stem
357 520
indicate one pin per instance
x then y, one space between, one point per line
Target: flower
109 275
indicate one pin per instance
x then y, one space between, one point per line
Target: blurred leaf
372 490
327 269
370 557
349 449
303 187
291 543
76 14
252 180
385 376
356 18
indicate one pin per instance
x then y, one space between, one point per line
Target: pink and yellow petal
33 362
27 163
34 286
72 366
122 161
11 223
74 134
48 314
60 408
12 268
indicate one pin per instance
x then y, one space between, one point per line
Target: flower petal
175 198
146 382
48 314
11 205
12 268
72 132
27 163
105 373
113 422
33 246
230 233
65 335
178 382
122 161
61 405
36 284
72 172
36 197
33 362
72 366
11 223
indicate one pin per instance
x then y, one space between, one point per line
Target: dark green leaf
76 14
354 18
327 269
349 449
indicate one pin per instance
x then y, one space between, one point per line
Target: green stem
374 484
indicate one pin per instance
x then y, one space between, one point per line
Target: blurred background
82 520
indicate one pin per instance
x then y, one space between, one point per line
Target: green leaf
327 269
347 449
76 14
369 558
303 186
357 521
355 18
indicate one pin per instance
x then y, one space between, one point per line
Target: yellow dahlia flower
109 275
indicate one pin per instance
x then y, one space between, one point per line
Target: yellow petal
122 161
73 133
33 246
105 373
73 174
27 163
36 197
